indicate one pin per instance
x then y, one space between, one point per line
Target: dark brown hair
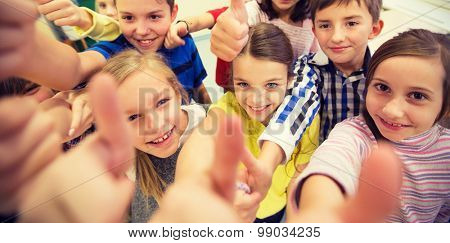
415 43
268 42
170 2
374 6
299 13
15 86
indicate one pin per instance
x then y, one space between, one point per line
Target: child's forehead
142 5
349 8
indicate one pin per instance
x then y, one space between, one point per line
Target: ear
376 29
174 12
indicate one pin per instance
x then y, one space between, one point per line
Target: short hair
170 2
374 6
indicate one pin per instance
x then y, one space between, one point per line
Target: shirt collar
320 59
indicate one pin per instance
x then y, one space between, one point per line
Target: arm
296 113
188 25
85 21
328 190
201 95
37 57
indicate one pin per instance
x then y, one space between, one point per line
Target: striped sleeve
340 157
297 111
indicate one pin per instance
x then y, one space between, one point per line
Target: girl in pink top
407 95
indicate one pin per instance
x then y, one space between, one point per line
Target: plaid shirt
340 97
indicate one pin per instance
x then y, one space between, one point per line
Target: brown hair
121 67
374 6
299 13
267 41
170 2
416 43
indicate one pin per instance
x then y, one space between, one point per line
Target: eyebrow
266 81
410 88
149 13
346 18
154 100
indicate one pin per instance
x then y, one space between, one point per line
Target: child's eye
271 85
352 23
155 17
382 87
133 117
417 96
102 5
127 18
161 102
242 84
324 26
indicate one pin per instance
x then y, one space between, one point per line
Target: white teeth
163 138
394 124
145 41
258 108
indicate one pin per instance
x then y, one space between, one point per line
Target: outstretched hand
376 198
88 184
17 29
208 197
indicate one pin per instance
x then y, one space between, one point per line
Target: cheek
127 29
373 101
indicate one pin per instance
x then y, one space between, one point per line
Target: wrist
85 20
186 23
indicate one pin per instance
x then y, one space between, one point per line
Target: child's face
405 96
259 85
153 110
145 23
343 32
107 7
284 5
37 92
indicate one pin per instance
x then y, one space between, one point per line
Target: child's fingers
11 37
229 145
25 141
110 121
44 153
14 12
13 120
379 187
249 161
238 9
52 6
77 115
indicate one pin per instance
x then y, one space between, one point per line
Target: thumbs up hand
230 34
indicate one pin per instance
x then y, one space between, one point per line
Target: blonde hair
121 67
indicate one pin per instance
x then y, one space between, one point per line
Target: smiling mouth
145 42
338 49
394 125
163 137
258 109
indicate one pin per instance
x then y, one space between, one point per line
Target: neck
349 67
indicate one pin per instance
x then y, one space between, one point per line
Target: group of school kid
312 126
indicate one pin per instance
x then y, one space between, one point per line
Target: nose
256 97
338 34
151 122
142 28
111 12
394 109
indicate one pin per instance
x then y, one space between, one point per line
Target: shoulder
227 103
196 113
110 48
